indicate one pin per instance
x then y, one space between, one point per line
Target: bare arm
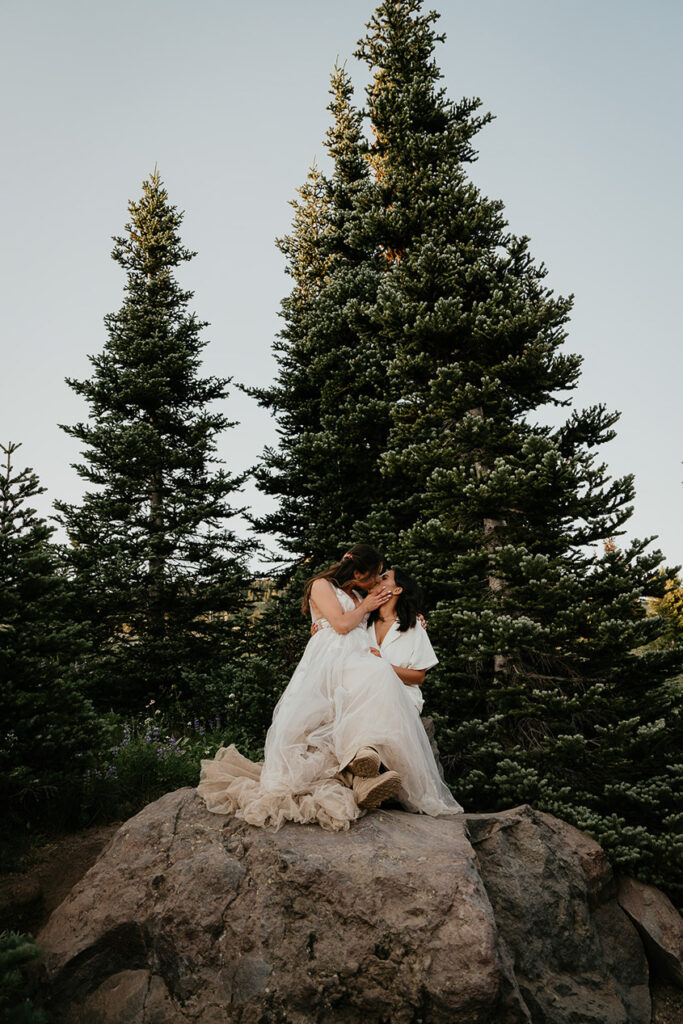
410 676
326 605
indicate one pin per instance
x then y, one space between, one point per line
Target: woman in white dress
340 706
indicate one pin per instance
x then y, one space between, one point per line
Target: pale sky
229 100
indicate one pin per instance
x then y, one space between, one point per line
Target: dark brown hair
409 601
360 558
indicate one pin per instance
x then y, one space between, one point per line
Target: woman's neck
388 611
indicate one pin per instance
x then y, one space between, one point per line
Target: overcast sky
229 100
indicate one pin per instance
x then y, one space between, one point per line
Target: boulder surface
189 916
660 926
577 957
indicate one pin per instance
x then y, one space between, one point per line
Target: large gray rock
660 926
577 957
189 916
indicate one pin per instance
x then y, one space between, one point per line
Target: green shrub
152 757
16 951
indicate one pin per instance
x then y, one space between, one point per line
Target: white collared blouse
411 649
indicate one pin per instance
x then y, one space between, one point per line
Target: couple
346 732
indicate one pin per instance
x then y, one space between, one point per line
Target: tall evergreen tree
327 399
542 692
49 727
159 567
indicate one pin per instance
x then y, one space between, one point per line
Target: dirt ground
28 898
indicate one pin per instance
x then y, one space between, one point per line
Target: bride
345 734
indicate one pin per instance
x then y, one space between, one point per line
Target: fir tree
159 567
328 396
325 399
542 694
49 728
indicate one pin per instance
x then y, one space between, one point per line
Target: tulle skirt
340 698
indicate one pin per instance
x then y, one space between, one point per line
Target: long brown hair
360 558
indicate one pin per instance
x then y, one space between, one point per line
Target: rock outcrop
660 926
481 919
577 957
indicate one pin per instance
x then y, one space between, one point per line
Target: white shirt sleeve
423 656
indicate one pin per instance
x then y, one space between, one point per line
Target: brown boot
370 793
366 763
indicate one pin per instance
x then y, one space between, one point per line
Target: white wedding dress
340 698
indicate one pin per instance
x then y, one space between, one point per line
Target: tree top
152 244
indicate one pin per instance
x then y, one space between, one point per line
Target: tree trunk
156 561
491 541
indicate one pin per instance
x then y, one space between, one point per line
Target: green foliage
49 727
159 571
421 352
147 756
156 754
497 514
16 951
327 397
150 758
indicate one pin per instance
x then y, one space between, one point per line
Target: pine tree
158 565
294 396
542 695
49 728
328 397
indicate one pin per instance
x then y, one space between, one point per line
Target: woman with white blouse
397 633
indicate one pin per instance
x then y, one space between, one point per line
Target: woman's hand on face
375 599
